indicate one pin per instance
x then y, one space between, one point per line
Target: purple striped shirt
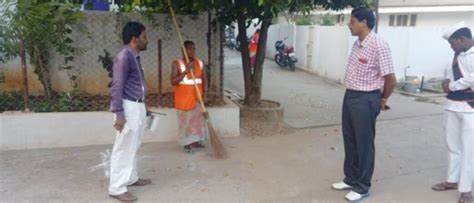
128 80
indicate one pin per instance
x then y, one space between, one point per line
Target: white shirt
466 64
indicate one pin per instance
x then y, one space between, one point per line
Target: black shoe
188 148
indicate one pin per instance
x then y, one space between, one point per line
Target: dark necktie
457 74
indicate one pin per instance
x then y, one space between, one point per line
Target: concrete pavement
311 101
297 167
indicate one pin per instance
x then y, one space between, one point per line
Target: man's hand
119 123
189 68
445 86
383 104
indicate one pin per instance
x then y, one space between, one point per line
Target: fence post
209 51
160 74
25 74
221 61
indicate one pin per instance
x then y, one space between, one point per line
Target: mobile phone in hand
387 107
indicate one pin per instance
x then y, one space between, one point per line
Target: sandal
466 198
445 186
188 149
198 145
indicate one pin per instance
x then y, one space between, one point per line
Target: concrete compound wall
324 50
51 130
102 31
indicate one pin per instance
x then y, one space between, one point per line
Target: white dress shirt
466 64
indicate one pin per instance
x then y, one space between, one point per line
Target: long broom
218 149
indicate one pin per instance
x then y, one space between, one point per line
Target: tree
242 12
44 25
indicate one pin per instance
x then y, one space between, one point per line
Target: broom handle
186 55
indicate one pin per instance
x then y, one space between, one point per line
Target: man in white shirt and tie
459 109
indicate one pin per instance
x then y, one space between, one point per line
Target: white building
412 28
415 13
425 12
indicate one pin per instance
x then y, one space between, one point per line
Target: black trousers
359 115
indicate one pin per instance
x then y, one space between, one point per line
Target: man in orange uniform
192 128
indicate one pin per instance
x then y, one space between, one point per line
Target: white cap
453 29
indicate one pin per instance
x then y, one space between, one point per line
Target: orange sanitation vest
185 96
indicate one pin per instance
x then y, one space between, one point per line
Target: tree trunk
256 91
26 92
245 55
253 79
41 69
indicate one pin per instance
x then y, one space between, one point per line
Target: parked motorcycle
231 41
285 56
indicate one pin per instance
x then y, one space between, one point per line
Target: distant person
191 122
459 108
128 92
369 81
254 47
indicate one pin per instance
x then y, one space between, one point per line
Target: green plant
73 100
328 20
44 26
304 20
107 64
60 102
11 101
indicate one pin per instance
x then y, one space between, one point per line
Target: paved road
311 101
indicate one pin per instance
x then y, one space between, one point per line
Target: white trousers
460 141
123 161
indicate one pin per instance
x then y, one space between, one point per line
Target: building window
399 20
413 20
391 21
402 20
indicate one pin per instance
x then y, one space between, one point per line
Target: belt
135 100
365 92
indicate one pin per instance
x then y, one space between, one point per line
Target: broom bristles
218 149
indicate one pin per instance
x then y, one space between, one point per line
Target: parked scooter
231 41
285 56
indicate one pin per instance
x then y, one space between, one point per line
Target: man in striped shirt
369 81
